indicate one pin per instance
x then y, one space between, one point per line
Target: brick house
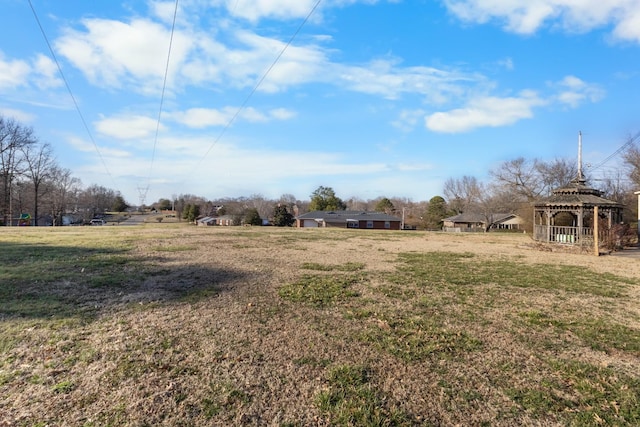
348 219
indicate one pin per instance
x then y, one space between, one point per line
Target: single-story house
348 219
207 220
216 220
225 220
480 222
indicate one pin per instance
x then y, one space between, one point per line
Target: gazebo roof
577 194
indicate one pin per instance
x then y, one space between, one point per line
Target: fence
563 234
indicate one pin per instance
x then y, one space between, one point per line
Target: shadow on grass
46 281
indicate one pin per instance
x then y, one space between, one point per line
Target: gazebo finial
580 176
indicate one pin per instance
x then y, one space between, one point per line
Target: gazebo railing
562 234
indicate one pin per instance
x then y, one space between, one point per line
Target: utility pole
402 223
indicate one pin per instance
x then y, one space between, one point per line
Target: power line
73 98
627 144
260 81
164 86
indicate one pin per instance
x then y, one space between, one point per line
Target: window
387 225
369 224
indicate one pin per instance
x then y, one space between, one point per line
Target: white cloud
200 118
490 111
572 15
39 72
83 146
387 79
282 114
118 54
253 10
485 112
13 73
112 52
164 10
629 26
298 64
132 55
413 167
18 115
240 167
46 73
407 120
507 64
574 91
129 127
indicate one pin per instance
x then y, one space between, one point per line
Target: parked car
98 221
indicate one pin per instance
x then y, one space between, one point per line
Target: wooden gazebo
567 216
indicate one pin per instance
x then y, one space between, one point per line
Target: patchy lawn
168 324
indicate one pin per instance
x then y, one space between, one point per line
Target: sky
231 98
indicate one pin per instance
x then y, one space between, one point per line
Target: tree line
32 181
513 186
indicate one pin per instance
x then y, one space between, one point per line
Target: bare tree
39 163
631 159
619 188
96 200
463 194
62 194
385 205
13 138
356 203
520 177
263 205
555 174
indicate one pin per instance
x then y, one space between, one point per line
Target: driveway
135 220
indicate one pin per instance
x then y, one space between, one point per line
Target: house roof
206 219
471 217
343 216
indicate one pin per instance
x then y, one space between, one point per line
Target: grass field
169 324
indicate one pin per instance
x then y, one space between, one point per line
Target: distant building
479 222
348 219
215 220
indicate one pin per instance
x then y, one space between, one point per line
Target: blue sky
371 98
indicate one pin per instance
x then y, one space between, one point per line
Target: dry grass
167 324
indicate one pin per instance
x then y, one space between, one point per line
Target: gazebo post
637 193
580 225
596 232
548 221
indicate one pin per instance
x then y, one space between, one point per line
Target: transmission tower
142 194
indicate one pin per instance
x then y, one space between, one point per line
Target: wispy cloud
571 15
128 127
13 72
573 92
122 54
492 111
40 72
254 10
487 111
19 115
